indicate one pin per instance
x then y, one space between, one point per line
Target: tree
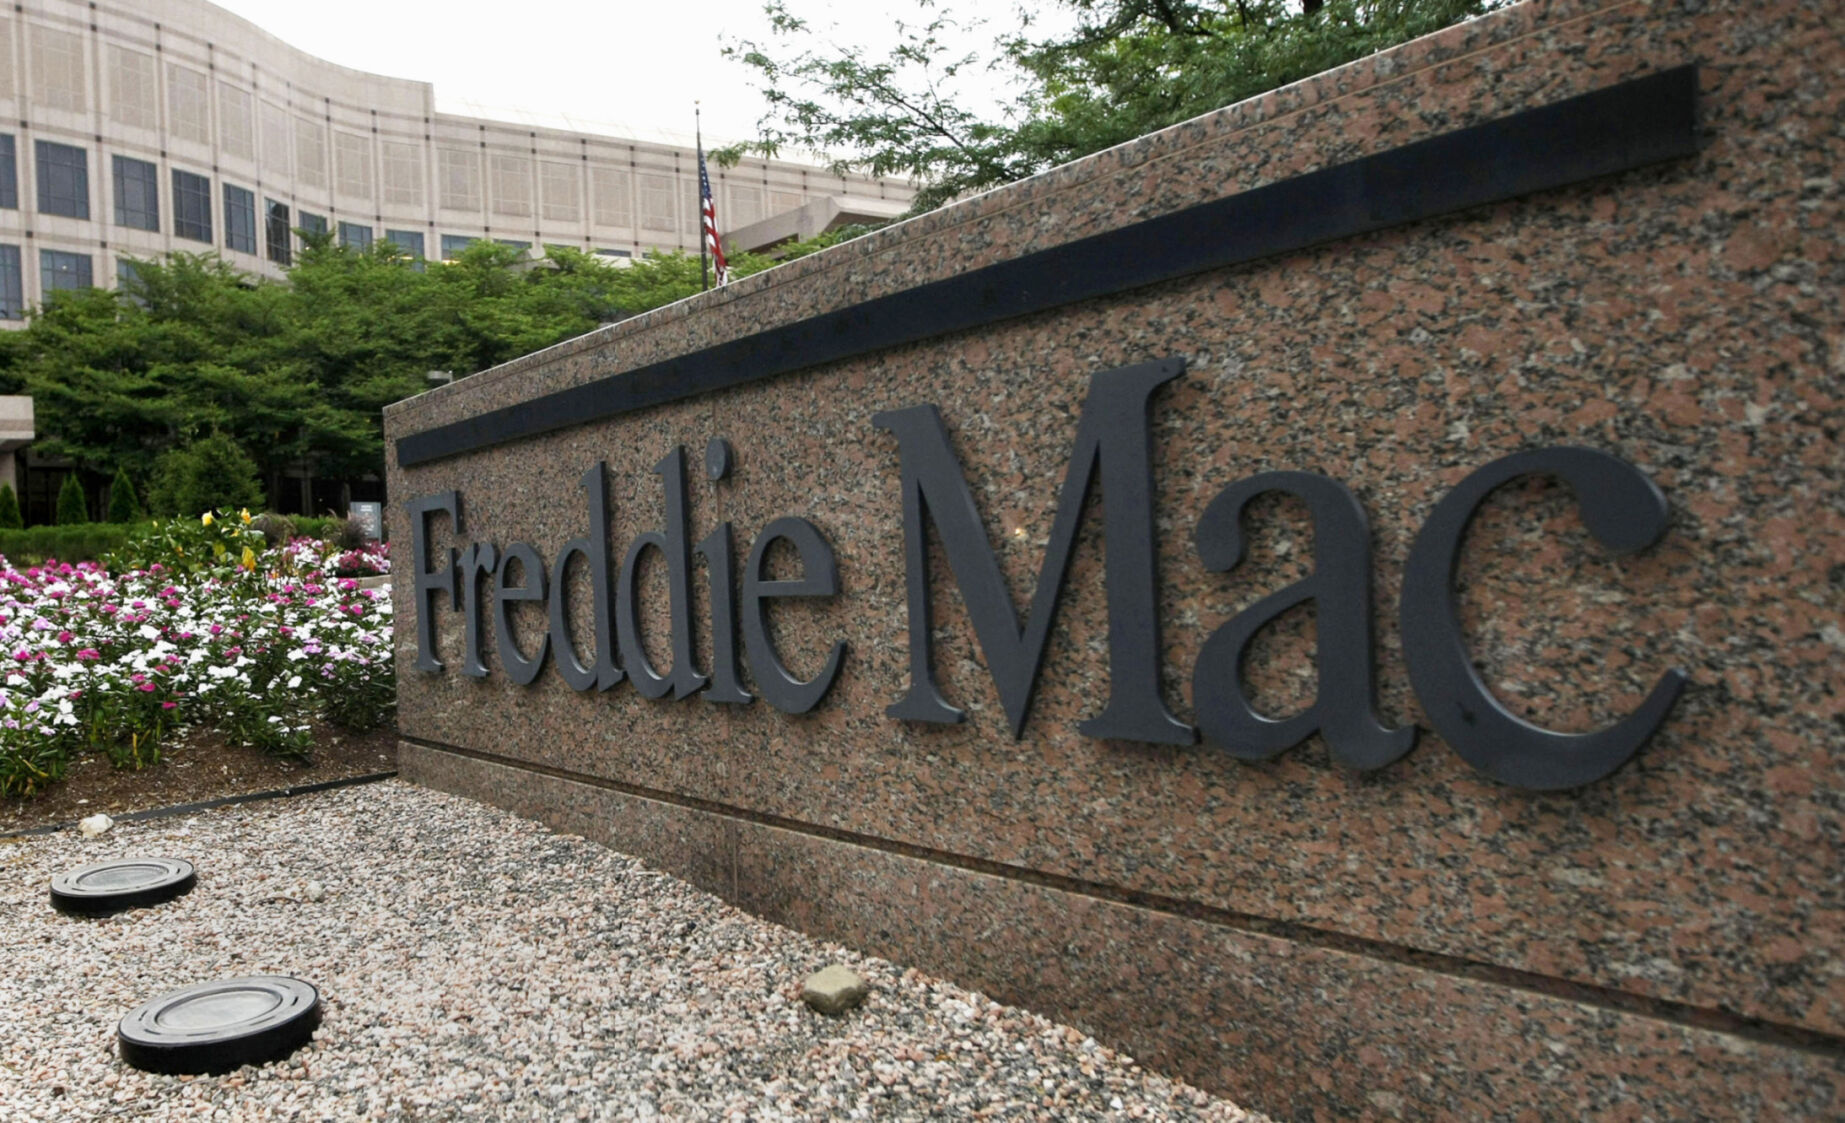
124 507
73 507
209 474
1125 69
296 374
9 509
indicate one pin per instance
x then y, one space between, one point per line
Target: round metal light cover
219 1026
125 883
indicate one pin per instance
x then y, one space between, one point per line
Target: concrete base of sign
1263 1011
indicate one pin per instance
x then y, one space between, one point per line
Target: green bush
217 543
123 506
321 528
9 509
73 507
86 542
212 473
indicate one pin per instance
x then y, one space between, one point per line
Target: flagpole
704 257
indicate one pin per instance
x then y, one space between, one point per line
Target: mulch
199 767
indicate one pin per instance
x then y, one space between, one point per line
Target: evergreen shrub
73 506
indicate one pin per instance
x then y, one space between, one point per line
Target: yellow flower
245 515
249 559
205 519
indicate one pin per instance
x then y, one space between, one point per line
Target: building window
403 173
658 209
352 164
313 223
57 69
191 206
310 152
613 253
9 173
12 285
276 156
408 241
134 88
236 122
127 280
558 188
188 104
137 194
453 244
356 236
239 219
613 195
512 184
458 174
514 243
63 180
58 270
276 232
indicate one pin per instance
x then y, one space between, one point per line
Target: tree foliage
209 474
73 508
124 505
9 509
295 374
1122 69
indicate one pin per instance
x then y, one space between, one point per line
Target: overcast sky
622 67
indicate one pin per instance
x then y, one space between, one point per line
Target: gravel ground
473 964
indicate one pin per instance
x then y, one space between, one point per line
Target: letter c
1626 512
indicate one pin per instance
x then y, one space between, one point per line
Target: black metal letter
429 582
531 587
595 551
1626 512
683 680
477 561
819 578
1112 436
725 674
1344 710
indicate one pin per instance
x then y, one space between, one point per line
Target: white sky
624 67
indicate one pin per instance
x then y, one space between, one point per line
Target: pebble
93 825
834 990
475 964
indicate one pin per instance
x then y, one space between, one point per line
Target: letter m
1114 439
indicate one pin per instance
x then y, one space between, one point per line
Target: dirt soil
197 768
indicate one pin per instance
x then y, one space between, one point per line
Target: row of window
64 189
57 270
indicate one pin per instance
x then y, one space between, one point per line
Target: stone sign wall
1343 598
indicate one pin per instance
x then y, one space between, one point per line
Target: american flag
708 210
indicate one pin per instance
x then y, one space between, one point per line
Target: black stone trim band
1629 125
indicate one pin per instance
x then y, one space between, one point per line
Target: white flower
294 682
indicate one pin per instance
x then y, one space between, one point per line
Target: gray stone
834 990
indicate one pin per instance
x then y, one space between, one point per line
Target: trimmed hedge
83 542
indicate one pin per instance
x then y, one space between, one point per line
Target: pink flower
88 655
65 637
146 688
168 705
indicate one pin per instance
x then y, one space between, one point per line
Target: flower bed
192 623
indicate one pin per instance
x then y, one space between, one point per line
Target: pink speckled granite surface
1686 318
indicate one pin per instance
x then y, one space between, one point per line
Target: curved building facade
128 130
